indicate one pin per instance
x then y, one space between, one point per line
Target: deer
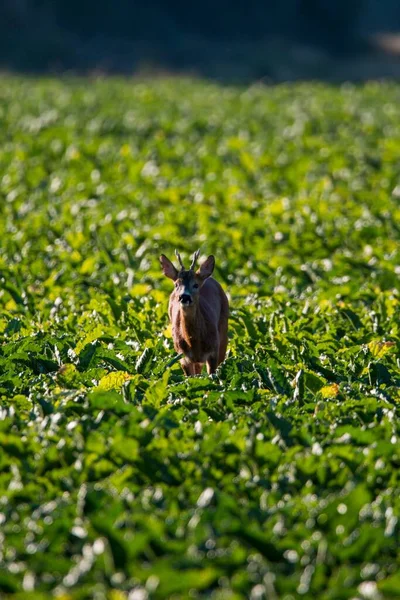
198 311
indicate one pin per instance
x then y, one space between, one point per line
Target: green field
277 479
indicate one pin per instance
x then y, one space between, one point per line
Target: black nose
185 299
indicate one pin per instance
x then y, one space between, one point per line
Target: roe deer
198 310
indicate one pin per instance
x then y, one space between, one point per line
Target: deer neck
192 323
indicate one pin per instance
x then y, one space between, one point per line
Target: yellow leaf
330 391
113 381
75 239
276 207
11 305
75 257
88 266
168 331
158 295
117 595
379 349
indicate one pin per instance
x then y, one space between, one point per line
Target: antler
178 256
194 259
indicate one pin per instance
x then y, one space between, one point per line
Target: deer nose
185 299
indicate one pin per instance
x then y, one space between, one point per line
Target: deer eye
195 285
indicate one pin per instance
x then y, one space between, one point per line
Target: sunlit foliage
120 478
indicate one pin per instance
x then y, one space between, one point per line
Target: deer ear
207 267
168 268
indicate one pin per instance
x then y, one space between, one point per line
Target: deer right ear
168 268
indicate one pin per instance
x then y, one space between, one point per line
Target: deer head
188 282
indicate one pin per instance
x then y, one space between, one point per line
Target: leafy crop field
119 477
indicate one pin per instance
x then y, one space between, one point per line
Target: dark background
224 39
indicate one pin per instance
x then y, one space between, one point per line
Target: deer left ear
207 267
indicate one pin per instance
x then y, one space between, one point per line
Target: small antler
194 259
178 256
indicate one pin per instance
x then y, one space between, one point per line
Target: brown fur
200 330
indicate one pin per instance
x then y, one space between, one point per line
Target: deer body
198 311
